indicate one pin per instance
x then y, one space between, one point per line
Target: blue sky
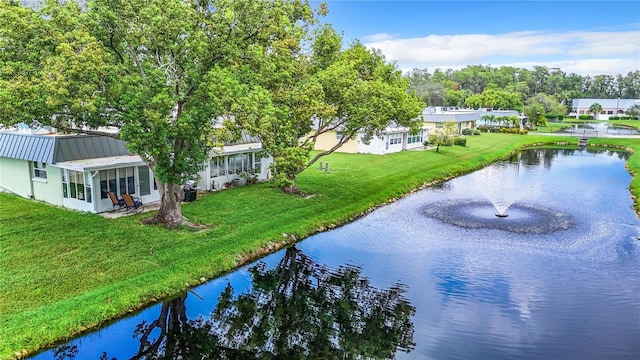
582 37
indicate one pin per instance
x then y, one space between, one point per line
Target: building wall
15 177
329 139
377 146
432 126
50 190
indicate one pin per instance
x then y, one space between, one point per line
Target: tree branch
342 141
134 56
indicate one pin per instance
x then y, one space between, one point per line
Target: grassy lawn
63 272
552 127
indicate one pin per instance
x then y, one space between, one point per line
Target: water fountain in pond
499 206
499 187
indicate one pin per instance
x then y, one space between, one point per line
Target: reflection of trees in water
297 310
300 308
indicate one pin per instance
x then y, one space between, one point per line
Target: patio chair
115 201
132 204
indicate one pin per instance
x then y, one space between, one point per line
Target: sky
581 37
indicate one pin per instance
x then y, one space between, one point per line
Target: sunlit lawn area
62 271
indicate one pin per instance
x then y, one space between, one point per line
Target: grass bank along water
64 272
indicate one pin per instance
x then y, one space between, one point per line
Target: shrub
482 128
555 117
523 132
585 117
467 132
460 141
515 130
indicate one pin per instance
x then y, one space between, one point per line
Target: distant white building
610 107
435 117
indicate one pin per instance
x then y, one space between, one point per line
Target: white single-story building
236 163
435 117
74 171
78 171
610 107
392 139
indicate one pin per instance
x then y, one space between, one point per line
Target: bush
467 132
523 132
555 117
460 141
515 130
482 128
476 132
585 117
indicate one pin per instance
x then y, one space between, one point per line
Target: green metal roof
52 149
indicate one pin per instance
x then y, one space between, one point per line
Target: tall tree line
453 87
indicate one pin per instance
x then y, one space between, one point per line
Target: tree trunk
170 213
292 188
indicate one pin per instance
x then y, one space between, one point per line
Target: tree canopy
475 79
159 70
309 92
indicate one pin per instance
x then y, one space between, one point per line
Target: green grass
552 127
62 272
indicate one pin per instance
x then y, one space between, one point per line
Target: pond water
435 275
600 128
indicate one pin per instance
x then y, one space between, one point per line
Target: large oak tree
323 88
159 70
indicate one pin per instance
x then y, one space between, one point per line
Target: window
107 182
119 181
65 184
127 180
145 182
339 135
417 138
239 163
76 186
395 138
39 170
217 166
87 187
257 162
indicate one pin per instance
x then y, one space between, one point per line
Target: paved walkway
120 213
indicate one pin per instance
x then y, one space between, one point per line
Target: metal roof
53 149
621 104
102 163
451 116
245 138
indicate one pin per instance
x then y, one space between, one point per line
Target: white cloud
585 53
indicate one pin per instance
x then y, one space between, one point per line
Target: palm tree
595 109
